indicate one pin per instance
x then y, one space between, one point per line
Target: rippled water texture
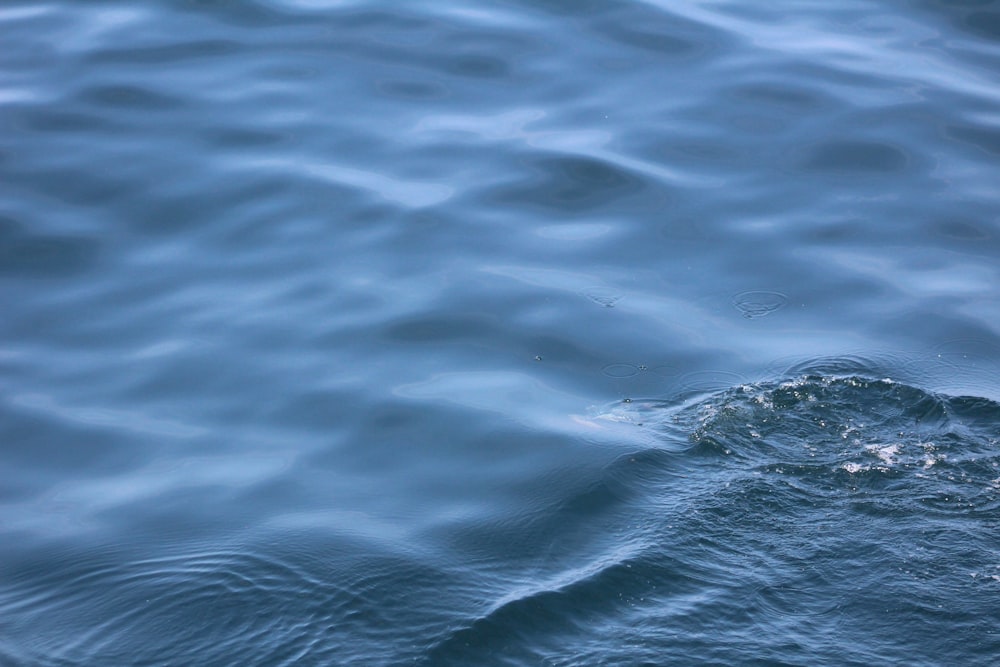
609 332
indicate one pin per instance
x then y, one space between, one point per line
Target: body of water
527 332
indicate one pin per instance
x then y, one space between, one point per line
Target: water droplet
963 351
969 365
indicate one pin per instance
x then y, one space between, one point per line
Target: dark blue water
528 332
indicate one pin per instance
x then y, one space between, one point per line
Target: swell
520 625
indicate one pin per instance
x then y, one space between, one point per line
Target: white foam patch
886 453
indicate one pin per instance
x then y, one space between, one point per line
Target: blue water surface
521 332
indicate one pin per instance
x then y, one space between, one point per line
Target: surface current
608 332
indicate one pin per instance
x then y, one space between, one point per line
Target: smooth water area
521 332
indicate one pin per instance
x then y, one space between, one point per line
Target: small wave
814 490
522 625
765 504
853 433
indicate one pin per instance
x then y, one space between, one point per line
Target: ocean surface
519 333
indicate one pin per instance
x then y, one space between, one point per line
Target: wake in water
817 520
851 504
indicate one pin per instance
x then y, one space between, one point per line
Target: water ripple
313 309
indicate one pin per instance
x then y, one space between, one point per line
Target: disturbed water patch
758 303
808 502
603 296
810 494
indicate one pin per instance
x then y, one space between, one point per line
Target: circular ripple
880 364
705 381
757 303
603 296
664 370
620 370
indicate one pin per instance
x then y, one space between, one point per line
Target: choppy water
510 333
